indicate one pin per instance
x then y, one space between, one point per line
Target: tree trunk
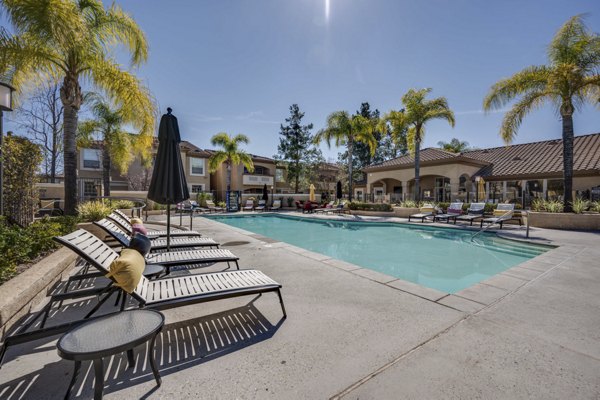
227 194
567 135
71 97
350 148
417 165
106 170
297 178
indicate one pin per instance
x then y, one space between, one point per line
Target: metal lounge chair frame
475 211
249 205
212 207
262 206
448 215
159 243
125 223
167 293
507 211
278 207
423 215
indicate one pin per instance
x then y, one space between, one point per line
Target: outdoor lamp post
6 92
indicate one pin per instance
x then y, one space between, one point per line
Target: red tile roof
538 158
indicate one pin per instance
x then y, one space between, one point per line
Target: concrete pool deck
529 333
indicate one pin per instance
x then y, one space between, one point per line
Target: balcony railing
253 179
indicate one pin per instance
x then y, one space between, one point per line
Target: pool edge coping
470 300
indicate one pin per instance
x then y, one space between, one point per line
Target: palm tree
119 147
568 81
231 155
454 146
347 130
417 112
71 41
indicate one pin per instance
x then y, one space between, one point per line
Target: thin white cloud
471 112
254 116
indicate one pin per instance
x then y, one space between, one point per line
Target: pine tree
296 147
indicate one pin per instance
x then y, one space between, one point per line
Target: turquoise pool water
440 258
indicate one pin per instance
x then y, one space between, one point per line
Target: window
197 188
258 170
89 189
197 166
91 158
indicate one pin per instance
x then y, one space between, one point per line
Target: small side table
107 336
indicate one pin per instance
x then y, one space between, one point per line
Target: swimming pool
440 258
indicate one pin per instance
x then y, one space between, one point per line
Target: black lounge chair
475 211
159 295
453 211
502 213
426 211
212 207
159 243
125 223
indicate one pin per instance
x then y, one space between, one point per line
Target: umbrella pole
168 226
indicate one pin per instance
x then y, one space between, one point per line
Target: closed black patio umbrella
338 192
168 185
265 195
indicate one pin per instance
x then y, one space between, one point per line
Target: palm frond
117 27
246 160
533 78
215 161
220 139
514 117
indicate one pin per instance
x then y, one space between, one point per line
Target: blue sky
237 66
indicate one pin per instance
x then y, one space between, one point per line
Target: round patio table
107 336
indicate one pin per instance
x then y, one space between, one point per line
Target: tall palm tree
119 147
417 112
231 155
347 130
568 81
73 41
454 146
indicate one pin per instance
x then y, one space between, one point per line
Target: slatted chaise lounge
475 211
172 292
188 258
262 206
502 213
159 243
453 211
276 205
212 207
426 211
159 295
125 222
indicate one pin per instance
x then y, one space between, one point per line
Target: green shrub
595 206
202 197
355 205
21 245
122 204
93 210
580 205
221 204
290 201
409 204
554 206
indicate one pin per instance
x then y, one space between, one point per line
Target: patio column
454 186
404 190
487 191
544 189
504 191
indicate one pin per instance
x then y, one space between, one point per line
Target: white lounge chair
502 213
475 211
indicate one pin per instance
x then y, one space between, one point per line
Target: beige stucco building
511 173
